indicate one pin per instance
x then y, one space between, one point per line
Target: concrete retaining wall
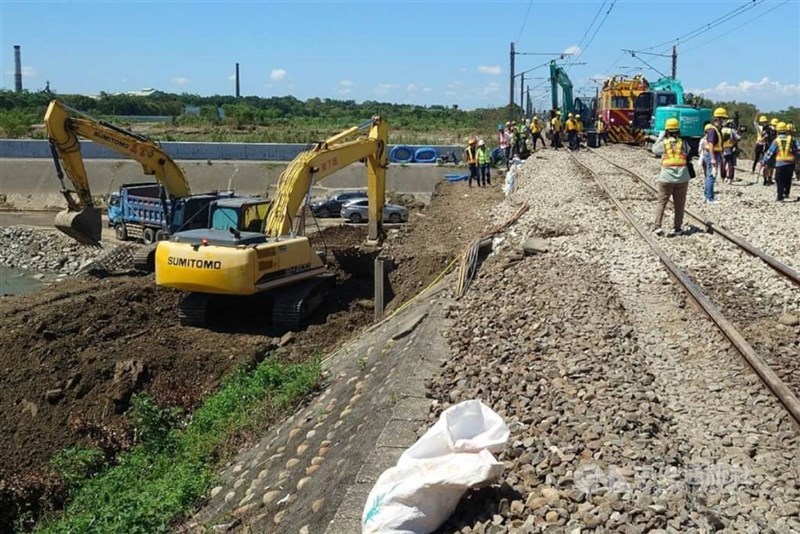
39 148
31 184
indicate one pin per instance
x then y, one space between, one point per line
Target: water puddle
17 281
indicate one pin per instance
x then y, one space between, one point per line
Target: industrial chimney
17 69
237 80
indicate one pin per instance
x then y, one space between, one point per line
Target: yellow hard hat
708 127
472 140
781 127
720 113
774 122
673 125
762 119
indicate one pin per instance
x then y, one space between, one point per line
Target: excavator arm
326 158
558 77
64 125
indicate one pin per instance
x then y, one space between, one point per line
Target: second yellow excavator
209 263
82 220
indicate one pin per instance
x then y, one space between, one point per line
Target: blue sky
416 52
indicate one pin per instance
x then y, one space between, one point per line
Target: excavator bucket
85 226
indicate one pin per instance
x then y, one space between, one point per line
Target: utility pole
511 85
674 62
522 92
529 106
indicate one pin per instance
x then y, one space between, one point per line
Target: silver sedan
358 211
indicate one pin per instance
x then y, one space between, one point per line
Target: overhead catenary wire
745 23
688 36
525 20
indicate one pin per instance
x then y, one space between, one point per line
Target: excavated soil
73 354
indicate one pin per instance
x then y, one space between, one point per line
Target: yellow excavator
82 219
279 260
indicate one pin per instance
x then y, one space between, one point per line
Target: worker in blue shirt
784 148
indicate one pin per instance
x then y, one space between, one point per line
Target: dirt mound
73 354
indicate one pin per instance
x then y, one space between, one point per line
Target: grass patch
171 467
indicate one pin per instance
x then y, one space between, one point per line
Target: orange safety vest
784 153
718 144
673 153
472 156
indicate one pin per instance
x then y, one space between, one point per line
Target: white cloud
426 89
27 72
383 88
232 77
490 89
764 90
277 75
573 50
450 93
494 70
181 80
346 83
412 88
345 91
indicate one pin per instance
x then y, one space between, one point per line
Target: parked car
331 206
358 211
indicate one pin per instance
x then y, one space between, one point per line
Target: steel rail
764 372
712 227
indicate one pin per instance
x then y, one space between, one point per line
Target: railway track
705 280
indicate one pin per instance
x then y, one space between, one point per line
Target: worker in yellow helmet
761 140
768 170
713 156
784 150
555 130
571 126
536 132
673 180
730 149
602 134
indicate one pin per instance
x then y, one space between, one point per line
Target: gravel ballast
629 412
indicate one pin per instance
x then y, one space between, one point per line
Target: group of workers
777 156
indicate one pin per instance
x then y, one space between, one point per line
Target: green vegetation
173 465
253 119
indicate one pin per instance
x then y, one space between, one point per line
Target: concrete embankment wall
31 184
178 150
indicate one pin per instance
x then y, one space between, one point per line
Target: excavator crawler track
144 259
295 303
194 310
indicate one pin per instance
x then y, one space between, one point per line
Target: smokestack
17 69
237 80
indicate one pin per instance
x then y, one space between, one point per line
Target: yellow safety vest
718 145
579 125
784 149
571 125
673 153
762 135
727 135
536 126
601 126
556 123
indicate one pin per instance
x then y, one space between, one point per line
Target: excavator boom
64 125
326 158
